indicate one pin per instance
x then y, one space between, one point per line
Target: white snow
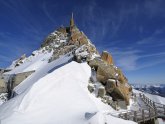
54 33
39 64
32 63
102 117
3 98
60 97
12 65
155 98
95 55
56 93
161 121
63 41
44 69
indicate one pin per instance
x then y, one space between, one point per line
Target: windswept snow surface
44 69
60 97
32 63
38 63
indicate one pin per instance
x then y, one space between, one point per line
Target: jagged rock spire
72 21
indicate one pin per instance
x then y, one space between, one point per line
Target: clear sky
133 31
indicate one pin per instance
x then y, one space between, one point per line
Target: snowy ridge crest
67 78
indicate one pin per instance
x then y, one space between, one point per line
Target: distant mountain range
158 89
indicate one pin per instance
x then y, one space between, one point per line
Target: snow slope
155 98
40 64
44 69
60 97
155 89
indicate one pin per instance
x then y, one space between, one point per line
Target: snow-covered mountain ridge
65 81
158 89
73 45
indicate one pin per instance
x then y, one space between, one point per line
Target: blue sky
133 31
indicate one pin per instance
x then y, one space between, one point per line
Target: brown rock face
121 77
83 40
95 63
116 84
62 30
3 88
77 37
110 85
105 72
119 91
105 56
76 42
59 33
101 92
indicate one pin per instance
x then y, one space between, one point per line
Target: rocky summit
107 81
111 77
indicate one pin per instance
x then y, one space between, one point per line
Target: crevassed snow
60 97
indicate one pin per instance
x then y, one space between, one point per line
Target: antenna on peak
72 21
72 15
